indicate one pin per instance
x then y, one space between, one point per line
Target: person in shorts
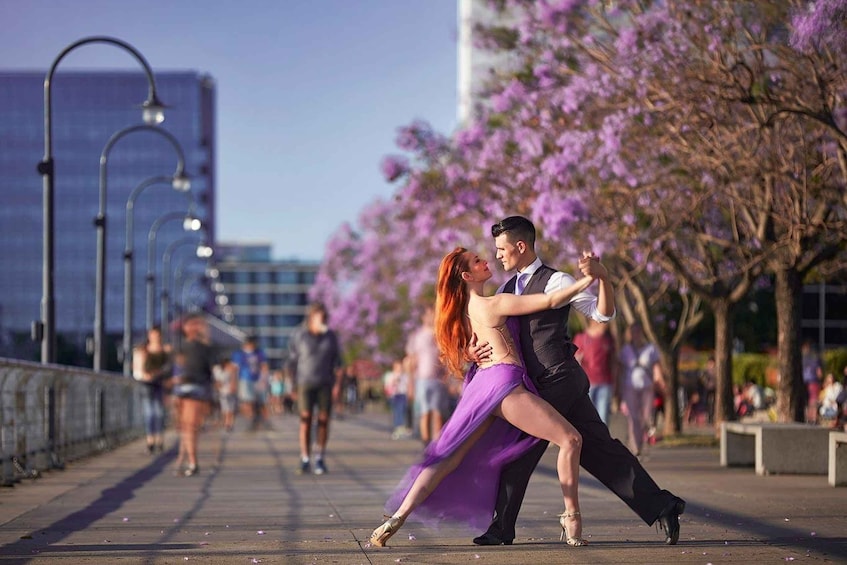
314 360
428 373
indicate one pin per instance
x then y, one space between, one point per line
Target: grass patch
689 440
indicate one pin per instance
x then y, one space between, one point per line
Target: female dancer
464 464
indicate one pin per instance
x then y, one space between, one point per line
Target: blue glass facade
88 109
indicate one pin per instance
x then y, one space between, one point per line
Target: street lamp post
153 112
100 222
189 224
164 303
188 283
179 183
184 281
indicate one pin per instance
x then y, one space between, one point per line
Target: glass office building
261 296
88 109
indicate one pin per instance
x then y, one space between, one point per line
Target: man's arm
590 265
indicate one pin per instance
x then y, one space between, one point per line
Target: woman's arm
506 304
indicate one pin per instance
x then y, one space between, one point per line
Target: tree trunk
724 313
670 368
788 295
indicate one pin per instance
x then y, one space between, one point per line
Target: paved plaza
248 505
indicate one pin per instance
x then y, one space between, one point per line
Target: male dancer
549 357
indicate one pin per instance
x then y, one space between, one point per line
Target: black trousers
611 463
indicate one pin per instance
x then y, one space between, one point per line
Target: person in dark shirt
314 359
193 389
151 366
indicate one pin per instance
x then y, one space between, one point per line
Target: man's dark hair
517 228
316 307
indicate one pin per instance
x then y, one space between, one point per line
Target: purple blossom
393 167
557 212
554 14
627 41
503 101
545 75
822 24
407 138
413 136
469 137
452 173
529 140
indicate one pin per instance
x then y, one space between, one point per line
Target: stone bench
774 448
838 459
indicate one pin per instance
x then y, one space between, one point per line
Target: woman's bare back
492 329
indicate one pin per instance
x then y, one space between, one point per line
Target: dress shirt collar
531 268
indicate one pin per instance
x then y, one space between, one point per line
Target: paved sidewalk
248 505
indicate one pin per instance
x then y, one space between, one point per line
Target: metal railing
51 414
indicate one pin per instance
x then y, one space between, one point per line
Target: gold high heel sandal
572 541
386 530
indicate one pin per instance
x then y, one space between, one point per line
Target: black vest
545 343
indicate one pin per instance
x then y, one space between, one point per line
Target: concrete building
477 66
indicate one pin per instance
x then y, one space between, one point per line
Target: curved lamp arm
153 107
153 112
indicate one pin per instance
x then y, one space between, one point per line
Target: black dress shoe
669 520
490 539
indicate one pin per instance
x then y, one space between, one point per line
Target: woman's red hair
452 333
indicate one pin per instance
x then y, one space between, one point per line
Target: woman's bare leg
536 417
431 476
424 484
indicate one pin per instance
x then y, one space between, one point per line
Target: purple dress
468 493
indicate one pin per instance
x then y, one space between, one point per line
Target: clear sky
310 92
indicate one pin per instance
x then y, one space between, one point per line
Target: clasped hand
590 266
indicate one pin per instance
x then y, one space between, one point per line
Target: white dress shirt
585 302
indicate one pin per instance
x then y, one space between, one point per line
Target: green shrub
834 361
750 367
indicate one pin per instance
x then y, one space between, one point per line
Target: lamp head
204 251
153 111
191 223
181 182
